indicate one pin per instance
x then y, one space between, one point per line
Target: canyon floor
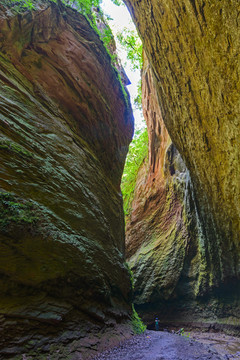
158 345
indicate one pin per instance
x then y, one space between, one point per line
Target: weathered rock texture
65 128
192 47
162 240
156 231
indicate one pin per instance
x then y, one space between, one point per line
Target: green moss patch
12 211
137 324
15 148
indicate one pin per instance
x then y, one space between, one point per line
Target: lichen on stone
15 210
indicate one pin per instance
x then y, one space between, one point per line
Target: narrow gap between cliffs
111 18
130 52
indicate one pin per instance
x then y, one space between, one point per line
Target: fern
137 324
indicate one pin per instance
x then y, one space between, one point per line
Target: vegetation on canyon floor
137 324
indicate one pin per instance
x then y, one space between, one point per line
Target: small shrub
183 333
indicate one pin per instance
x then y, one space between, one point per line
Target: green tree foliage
118 2
138 152
107 36
138 98
84 6
20 5
131 42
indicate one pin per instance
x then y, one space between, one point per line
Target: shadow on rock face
66 125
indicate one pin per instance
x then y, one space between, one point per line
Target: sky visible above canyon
121 19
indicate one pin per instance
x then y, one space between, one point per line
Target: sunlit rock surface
173 254
65 127
156 233
193 49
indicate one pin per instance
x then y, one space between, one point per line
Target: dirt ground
226 345
158 345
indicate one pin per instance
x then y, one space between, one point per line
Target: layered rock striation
65 127
163 247
192 49
156 230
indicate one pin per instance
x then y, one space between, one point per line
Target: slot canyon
71 264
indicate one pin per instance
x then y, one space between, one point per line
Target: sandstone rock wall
65 127
193 47
171 245
162 231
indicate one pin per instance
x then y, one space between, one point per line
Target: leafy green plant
138 98
83 6
107 36
183 333
131 42
20 5
137 324
138 152
118 2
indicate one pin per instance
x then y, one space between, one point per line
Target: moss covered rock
65 128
